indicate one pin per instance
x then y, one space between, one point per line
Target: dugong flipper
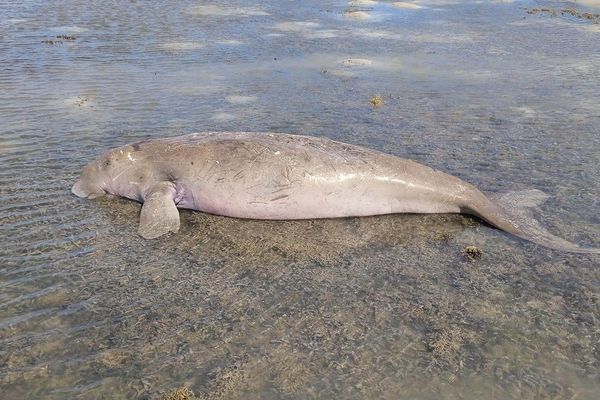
282 176
159 213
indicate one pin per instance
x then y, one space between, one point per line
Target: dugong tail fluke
511 212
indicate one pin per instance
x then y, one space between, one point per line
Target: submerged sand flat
391 307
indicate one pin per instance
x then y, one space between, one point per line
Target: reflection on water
382 307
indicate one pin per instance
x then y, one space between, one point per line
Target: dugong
283 176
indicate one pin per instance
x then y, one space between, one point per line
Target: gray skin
281 176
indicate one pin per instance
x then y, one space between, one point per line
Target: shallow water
381 307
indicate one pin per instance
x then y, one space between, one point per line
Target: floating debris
376 101
356 62
66 37
52 42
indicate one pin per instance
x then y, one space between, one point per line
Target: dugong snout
81 189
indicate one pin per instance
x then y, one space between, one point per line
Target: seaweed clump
182 393
472 253
376 101
594 18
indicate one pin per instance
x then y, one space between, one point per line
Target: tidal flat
503 94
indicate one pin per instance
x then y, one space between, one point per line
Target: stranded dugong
282 176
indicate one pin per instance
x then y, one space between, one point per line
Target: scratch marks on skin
121 173
333 166
258 154
212 168
286 174
289 178
281 189
283 196
307 157
239 175
170 176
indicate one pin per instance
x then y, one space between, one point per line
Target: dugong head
108 173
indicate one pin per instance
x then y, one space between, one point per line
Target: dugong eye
106 163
